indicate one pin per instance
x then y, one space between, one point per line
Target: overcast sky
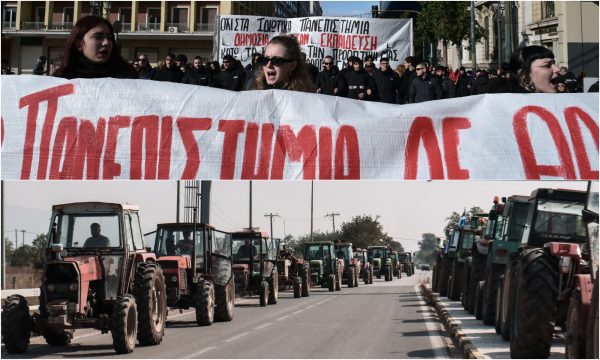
406 209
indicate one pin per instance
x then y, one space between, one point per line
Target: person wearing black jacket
232 77
448 90
327 79
361 85
480 83
342 83
462 83
198 74
250 70
170 72
424 87
408 77
388 82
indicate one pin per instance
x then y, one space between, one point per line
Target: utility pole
250 209
16 239
23 231
271 216
332 216
311 209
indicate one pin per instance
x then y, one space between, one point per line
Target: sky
347 8
406 209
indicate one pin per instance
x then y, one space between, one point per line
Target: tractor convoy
528 267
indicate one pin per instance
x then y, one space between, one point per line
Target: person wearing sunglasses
283 67
424 87
146 71
232 77
327 79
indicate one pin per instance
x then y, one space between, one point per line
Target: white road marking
237 336
283 318
310 306
437 344
263 326
192 356
297 311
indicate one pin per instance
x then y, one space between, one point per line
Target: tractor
108 281
474 269
325 268
379 256
544 269
294 273
255 258
396 265
582 314
462 242
196 261
352 264
403 257
366 271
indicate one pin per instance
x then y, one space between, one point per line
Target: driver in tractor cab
97 239
186 244
170 245
286 254
339 254
247 250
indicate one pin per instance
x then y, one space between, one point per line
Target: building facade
568 28
31 29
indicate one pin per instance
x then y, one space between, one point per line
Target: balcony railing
205 27
149 27
9 25
181 27
33 26
125 27
61 26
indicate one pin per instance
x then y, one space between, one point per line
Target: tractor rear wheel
150 298
574 339
365 276
16 324
264 293
124 326
338 282
331 282
205 303
273 288
465 294
508 296
535 305
478 305
350 277
592 326
456 283
371 276
443 276
356 276
493 272
305 281
498 312
224 299
297 287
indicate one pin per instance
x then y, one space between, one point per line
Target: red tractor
255 265
366 270
107 281
196 260
293 273
351 263
582 315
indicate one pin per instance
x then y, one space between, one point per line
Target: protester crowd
91 52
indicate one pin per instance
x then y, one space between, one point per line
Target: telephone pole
23 231
271 216
332 216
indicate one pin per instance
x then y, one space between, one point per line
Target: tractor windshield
559 220
376 253
180 241
221 259
467 239
245 248
344 252
516 221
493 228
87 231
317 252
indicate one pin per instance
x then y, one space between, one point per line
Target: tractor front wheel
331 282
16 324
264 293
592 328
574 339
150 298
350 277
124 327
273 288
205 303
297 287
305 281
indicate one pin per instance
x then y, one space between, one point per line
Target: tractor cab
325 267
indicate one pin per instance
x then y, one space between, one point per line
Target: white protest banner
240 36
137 129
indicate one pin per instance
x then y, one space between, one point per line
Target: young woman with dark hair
91 52
283 67
537 71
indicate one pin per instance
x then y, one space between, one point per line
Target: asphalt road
382 320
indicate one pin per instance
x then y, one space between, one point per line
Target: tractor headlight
73 287
174 278
51 287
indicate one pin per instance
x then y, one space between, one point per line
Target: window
547 9
125 18
153 19
138 239
207 19
179 17
68 15
40 14
9 17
